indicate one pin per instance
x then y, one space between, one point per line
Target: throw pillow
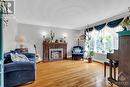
19 57
7 58
77 50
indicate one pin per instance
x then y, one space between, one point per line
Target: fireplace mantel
47 46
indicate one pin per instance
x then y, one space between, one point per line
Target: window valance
89 29
110 24
100 27
114 23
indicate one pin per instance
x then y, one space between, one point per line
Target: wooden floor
69 73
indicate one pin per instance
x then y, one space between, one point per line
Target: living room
72 43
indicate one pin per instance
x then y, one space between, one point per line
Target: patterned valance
100 27
114 23
110 24
89 29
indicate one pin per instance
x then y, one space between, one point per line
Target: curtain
100 27
111 24
89 29
114 23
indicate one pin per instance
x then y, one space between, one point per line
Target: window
103 41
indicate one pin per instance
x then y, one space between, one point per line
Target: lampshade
20 39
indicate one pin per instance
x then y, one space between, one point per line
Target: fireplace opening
56 54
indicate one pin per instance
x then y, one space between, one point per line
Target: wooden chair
114 66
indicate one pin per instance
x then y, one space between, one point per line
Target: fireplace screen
55 54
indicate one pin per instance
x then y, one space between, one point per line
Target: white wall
9 33
33 34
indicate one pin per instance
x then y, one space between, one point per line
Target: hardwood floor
69 73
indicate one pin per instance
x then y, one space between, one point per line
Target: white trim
35 23
98 61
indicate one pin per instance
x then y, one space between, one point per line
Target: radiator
100 57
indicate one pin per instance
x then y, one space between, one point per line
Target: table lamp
21 40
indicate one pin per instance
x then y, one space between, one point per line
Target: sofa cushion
17 66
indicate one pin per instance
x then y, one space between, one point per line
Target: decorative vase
56 41
90 60
61 41
52 35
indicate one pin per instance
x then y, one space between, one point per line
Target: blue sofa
17 73
77 52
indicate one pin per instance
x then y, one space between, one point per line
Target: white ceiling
67 13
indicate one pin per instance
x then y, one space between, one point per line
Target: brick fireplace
54 51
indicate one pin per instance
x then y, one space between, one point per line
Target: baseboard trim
102 62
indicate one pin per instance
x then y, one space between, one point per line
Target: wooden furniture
47 46
123 56
113 63
105 64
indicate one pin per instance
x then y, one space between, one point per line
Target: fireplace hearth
56 54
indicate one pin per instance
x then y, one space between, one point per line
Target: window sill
99 53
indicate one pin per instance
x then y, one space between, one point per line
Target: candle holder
52 35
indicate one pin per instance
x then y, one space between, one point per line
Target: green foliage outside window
102 44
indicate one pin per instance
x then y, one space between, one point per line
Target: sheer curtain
103 41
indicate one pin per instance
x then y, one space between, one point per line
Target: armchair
77 52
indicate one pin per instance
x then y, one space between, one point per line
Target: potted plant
126 24
90 55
